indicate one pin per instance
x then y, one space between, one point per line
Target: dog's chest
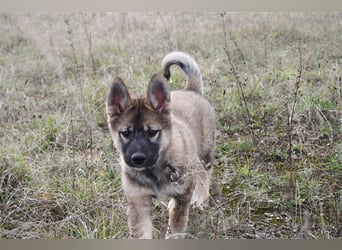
162 181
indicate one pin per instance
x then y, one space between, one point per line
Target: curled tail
188 65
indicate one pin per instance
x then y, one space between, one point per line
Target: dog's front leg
139 217
179 212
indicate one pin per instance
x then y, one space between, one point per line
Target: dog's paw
199 200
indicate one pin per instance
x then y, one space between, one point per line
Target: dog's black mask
138 149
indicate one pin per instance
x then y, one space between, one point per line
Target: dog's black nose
138 158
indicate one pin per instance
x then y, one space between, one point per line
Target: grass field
274 79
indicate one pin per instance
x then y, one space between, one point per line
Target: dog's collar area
172 173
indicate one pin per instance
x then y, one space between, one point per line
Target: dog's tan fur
186 143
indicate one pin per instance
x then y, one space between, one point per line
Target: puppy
166 142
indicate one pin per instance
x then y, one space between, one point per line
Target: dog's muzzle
138 159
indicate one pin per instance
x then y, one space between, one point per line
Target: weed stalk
236 76
290 127
88 34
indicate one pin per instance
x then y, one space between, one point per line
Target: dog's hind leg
200 195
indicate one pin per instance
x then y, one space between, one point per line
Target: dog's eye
152 133
126 134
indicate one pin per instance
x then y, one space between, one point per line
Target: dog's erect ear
158 93
118 97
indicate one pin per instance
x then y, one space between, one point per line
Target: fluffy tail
188 65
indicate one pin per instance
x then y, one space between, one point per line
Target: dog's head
140 126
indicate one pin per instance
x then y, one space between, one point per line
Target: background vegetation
273 78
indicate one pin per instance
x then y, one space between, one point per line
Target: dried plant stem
293 107
290 127
236 75
88 34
